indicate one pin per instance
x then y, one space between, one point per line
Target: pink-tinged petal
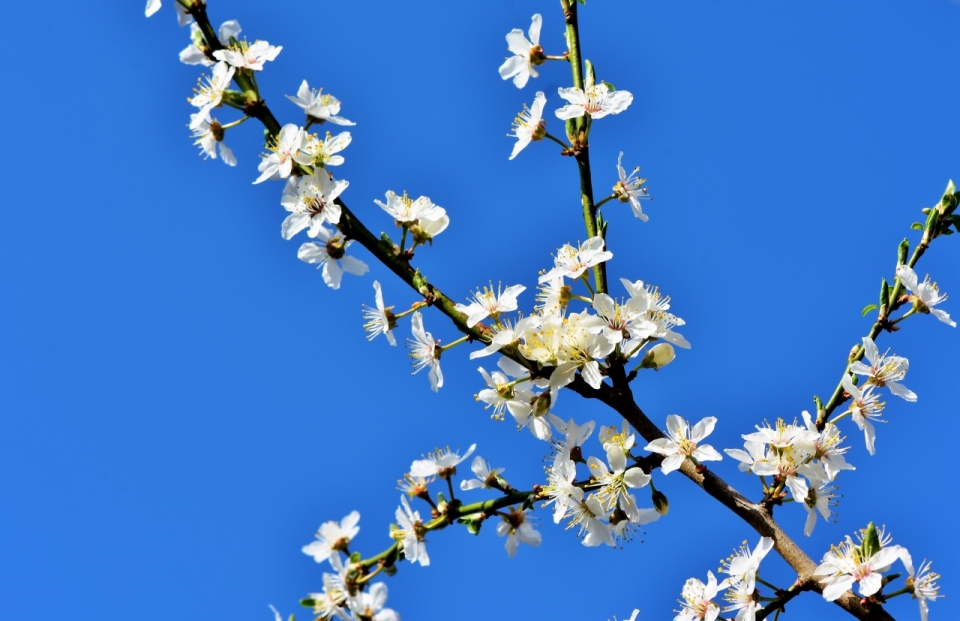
837 587
671 463
870 584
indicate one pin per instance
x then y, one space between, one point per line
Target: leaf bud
660 502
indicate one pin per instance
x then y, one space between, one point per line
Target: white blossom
319 106
502 394
560 489
379 320
527 54
425 352
248 56
925 295
333 536
369 605
818 500
572 262
490 303
194 53
209 92
285 150
330 256
845 565
630 189
924 583
484 473
208 135
517 528
697 603
442 462
529 126
684 442
407 211
411 533
864 407
597 101
183 17
310 199
744 564
324 152
884 370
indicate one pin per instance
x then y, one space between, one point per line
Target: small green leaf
308 603
916 226
868 308
871 541
947 232
583 2
356 557
884 292
610 86
528 502
902 252
472 522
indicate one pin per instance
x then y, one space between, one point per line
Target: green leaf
916 226
884 292
902 252
868 308
307 603
583 2
871 541
472 522
528 502
610 86
356 557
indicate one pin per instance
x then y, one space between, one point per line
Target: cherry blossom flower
529 126
311 202
379 320
486 476
744 564
490 303
333 537
572 262
597 101
411 533
328 603
588 515
925 295
503 335
442 463
697 603
560 489
323 153
330 256
369 605
884 370
425 352
845 565
825 446
208 135
574 436
630 189
247 56
503 394
756 452
407 211
527 54
319 106
743 598
818 500
864 407
683 443
518 529
617 483
285 150
195 54
924 583
209 92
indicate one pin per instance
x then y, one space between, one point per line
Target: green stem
556 140
767 584
462 339
403 240
601 203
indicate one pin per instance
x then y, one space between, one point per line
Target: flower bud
660 355
660 502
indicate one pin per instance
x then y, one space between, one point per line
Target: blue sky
184 402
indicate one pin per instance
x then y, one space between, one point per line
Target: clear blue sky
183 402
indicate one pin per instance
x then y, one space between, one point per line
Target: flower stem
601 203
565 146
462 339
235 123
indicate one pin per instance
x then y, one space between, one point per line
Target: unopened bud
660 355
660 502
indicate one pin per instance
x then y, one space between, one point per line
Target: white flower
844 565
405 210
208 95
924 583
208 135
327 604
572 262
369 605
284 151
311 202
588 515
252 57
560 489
818 500
490 303
554 296
864 407
194 53
330 255
319 106
324 153
333 536
743 565
597 101
617 319
743 598
825 446
527 54
183 17
617 483
486 475
884 370
698 601
379 320
926 294
442 463
425 352
684 443
411 533
528 125
502 394
630 189
518 529
756 452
